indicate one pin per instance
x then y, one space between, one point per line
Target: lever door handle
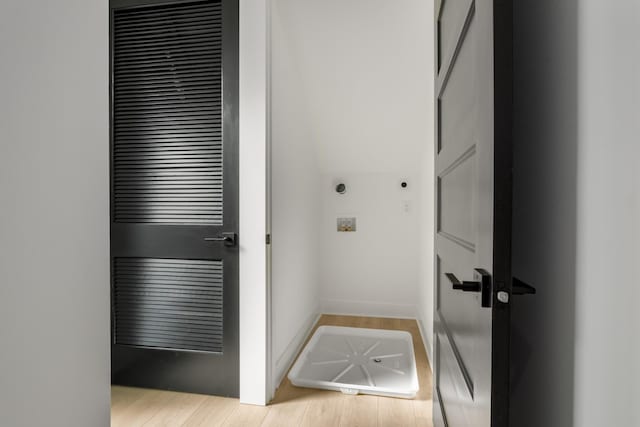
229 239
481 284
463 286
521 288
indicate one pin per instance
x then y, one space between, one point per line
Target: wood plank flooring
292 406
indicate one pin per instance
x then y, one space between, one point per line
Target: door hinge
268 239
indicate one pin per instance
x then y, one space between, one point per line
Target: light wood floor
292 406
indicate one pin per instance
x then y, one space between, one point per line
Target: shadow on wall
544 216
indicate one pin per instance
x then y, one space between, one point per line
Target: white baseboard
286 359
427 344
367 308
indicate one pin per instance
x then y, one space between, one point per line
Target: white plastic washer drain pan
358 360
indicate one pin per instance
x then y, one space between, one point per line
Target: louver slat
166 303
167 109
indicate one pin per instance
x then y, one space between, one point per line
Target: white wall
374 270
366 76
366 68
54 214
607 375
576 210
295 210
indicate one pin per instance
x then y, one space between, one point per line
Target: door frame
503 201
255 290
264 10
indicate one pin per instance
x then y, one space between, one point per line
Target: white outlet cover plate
358 360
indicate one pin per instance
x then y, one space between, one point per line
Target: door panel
459 95
174 185
168 303
456 219
472 214
448 24
454 390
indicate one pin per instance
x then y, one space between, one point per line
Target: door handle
482 284
229 239
463 286
521 288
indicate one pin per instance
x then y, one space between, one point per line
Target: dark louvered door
174 195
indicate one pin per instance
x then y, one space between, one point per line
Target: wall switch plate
346 224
